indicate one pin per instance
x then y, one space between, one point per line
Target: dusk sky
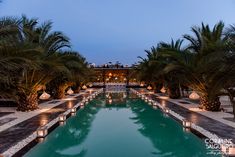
120 30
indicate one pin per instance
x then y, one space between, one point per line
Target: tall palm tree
172 78
201 65
27 54
210 48
11 62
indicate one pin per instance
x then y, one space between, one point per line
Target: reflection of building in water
115 97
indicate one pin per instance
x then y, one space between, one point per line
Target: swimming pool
119 125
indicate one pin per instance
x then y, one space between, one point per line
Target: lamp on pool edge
73 110
166 110
186 123
42 132
62 118
155 104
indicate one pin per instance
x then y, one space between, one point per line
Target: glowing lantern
141 84
149 87
194 96
186 123
70 91
62 118
154 104
73 110
110 101
44 96
82 104
42 132
166 110
163 90
84 87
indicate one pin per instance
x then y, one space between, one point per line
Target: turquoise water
126 127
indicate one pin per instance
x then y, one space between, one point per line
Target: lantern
194 96
163 90
62 118
70 91
155 104
84 87
186 123
82 104
44 96
73 110
141 84
149 87
166 110
42 132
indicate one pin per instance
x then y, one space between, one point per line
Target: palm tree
150 69
76 71
28 49
202 63
11 62
172 78
47 43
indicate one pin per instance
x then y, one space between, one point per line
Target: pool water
125 127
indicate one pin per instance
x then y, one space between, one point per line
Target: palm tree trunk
27 102
208 104
173 91
60 91
77 90
158 87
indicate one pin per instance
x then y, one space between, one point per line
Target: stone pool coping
21 147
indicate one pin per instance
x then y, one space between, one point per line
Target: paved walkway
25 124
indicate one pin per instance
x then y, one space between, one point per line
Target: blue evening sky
120 30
